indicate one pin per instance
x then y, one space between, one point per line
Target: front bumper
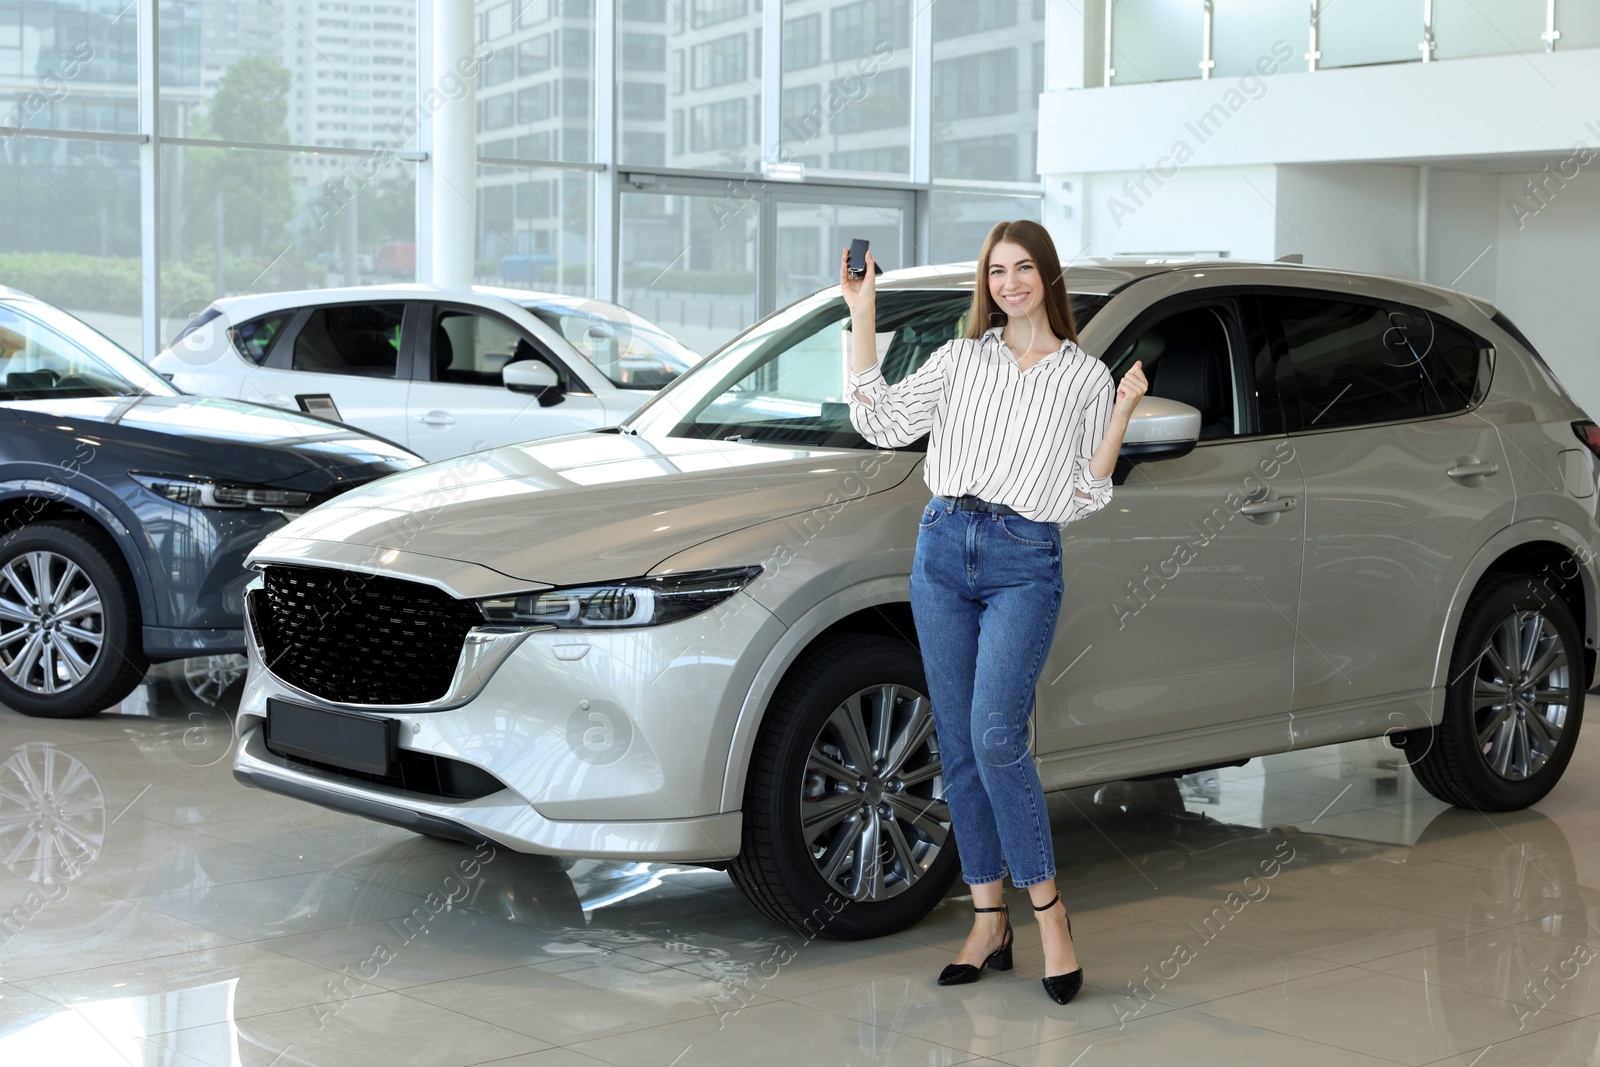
501 818
607 743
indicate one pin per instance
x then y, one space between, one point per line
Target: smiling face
1014 281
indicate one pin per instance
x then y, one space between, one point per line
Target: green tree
251 104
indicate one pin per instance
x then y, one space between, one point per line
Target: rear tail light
1589 434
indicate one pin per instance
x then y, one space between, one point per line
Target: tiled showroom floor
210 924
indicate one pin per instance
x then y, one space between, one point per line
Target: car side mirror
1161 429
529 376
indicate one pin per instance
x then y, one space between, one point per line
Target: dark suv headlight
205 493
630 602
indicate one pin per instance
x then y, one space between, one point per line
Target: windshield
785 380
48 353
632 352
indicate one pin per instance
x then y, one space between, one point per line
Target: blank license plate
340 738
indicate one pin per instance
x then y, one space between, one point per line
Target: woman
1025 429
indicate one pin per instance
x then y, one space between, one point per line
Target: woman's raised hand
859 292
1130 390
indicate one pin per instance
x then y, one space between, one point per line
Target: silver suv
1350 507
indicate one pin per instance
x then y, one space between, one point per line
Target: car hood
228 440
581 508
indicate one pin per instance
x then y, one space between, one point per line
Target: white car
442 371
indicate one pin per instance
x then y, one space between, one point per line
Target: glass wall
959 221
1487 27
307 72
811 235
535 89
1156 40
689 264
536 229
846 85
536 104
289 130
988 72
1360 32
71 234
74 64
1246 31
1579 23
250 221
689 83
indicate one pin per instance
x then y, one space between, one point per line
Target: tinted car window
1355 364
1453 364
358 339
253 339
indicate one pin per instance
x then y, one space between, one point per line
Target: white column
149 183
453 156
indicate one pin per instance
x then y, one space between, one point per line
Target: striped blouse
1014 437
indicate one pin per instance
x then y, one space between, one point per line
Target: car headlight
629 602
204 493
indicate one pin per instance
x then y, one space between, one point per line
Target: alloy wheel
1520 695
52 622
872 811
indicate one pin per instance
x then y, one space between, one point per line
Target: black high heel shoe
999 959
1062 987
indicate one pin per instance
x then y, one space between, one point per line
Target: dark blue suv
127 508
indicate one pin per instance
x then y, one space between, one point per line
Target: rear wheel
70 640
1513 700
846 830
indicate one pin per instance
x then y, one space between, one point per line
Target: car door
1181 594
356 356
460 404
1403 477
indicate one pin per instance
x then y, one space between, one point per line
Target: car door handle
1473 470
278 400
437 418
1267 507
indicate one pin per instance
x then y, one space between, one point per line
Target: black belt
969 502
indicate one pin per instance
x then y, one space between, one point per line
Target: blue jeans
985 593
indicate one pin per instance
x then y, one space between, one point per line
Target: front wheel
846 830
70 639
1513 700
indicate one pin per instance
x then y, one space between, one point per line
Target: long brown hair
1036 239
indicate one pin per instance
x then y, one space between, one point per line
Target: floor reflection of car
690 638
444 371
127 507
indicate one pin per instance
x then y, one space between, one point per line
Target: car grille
359 638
